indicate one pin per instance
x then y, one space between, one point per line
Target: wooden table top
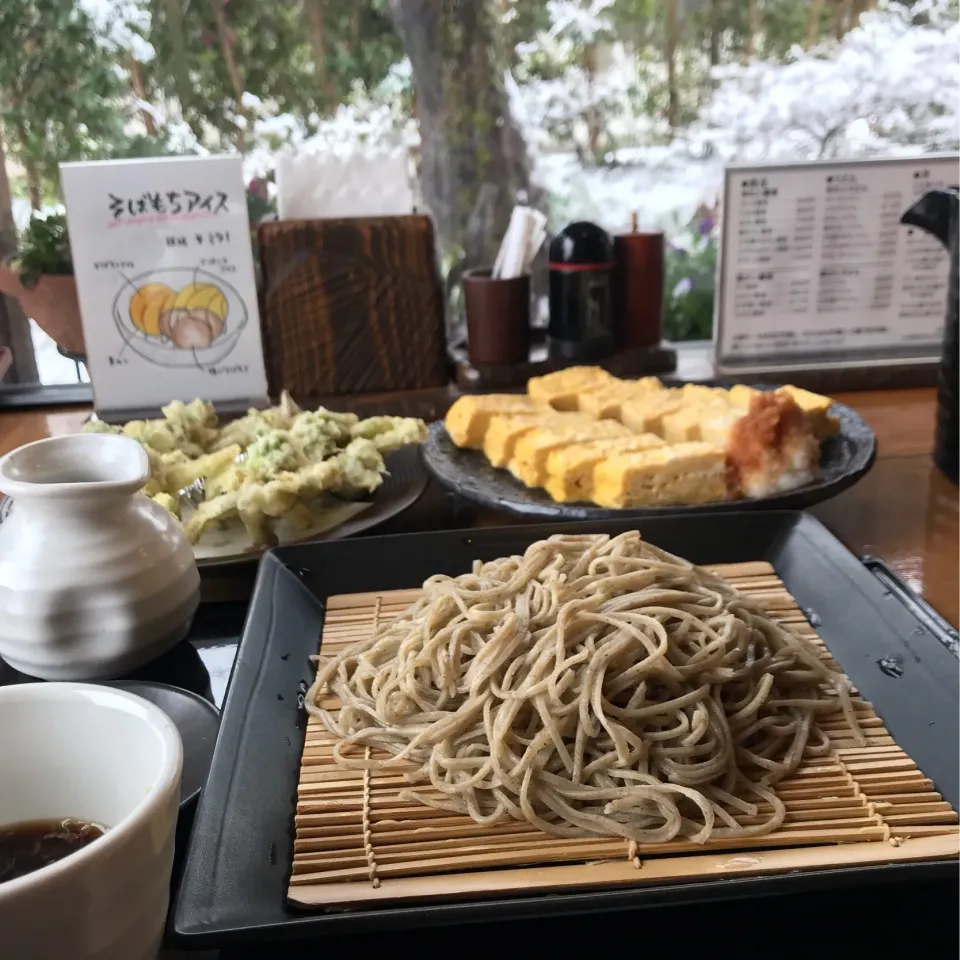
904 510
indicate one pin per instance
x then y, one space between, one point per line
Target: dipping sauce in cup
98 885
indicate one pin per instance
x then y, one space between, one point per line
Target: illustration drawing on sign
179 317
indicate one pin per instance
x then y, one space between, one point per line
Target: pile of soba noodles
593 685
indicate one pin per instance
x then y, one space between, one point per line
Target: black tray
844 459
234 885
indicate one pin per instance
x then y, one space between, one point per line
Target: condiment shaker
581 293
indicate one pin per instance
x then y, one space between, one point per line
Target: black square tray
235 879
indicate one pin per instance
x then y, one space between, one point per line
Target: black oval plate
402 486
197 721
844 459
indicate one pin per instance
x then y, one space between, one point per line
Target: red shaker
639 286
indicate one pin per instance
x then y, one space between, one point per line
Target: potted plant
41 278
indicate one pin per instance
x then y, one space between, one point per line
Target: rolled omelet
816 409
570 470
683 473
505 430
529 462
469 417
562 389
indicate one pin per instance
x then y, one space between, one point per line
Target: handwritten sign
817 270
161 253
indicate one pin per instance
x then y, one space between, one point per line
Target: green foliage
638 22
44 249
61 97
302 57
691 284
361 45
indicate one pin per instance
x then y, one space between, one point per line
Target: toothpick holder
498 317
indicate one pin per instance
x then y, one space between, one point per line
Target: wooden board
352 305
357 842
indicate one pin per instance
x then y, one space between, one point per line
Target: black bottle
938 213
581 290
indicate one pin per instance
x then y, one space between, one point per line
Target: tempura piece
209 465
273 454
155 434
363 468
321 433
100 426
197 413
169 503
243 431
193 425
390 433
228 480
344 421
281 416
259 503
255 424
197 417
210 511
157 481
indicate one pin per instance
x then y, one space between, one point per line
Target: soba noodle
594 685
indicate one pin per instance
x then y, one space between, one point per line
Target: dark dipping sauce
33 844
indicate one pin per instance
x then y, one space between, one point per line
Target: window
589 109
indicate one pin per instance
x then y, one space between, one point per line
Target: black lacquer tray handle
919 607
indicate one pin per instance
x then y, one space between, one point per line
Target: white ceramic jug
95 578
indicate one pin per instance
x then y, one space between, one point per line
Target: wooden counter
903 511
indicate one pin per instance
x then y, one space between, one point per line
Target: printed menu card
815 264
162 256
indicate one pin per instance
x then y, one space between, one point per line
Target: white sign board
162 256
816 268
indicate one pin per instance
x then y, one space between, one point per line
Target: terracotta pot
52 304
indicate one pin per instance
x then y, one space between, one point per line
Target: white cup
105 756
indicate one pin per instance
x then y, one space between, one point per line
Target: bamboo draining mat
356 842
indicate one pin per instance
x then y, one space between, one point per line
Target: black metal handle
928 617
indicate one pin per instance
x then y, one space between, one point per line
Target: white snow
120 25
891 86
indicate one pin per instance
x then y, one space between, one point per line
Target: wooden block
352 305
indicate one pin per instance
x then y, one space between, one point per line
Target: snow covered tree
889 86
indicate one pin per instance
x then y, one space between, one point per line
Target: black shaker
938 213
946 450
581 293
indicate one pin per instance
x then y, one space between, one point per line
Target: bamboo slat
356 841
